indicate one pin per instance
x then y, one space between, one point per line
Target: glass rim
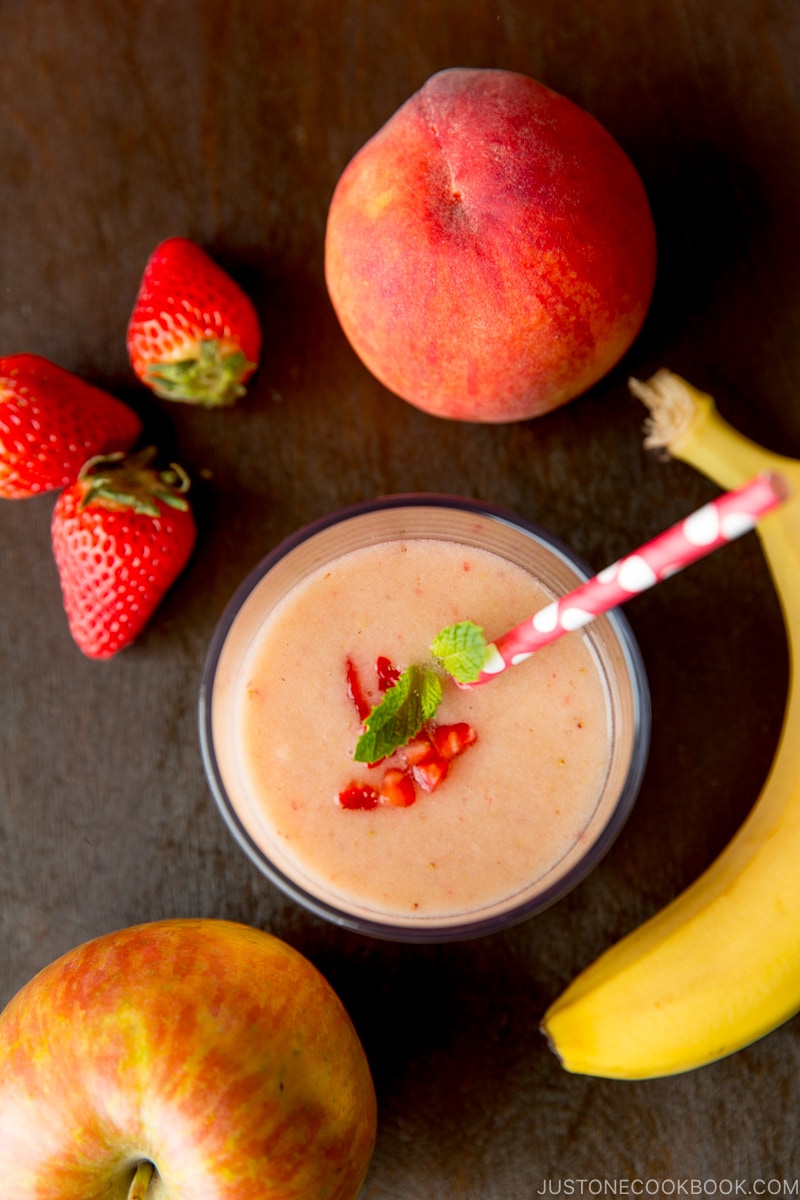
390 929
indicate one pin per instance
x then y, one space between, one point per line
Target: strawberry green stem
141 1180
213 378
132 483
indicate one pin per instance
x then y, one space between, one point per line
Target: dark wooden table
229 122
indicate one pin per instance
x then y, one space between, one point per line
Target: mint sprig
462 650
402 712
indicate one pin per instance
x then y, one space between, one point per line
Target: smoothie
518 809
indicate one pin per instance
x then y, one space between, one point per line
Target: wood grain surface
230 122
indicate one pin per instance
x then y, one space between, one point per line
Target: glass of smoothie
512 791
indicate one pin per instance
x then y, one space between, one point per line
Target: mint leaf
462 650
400 715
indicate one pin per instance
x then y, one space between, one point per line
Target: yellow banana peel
719 967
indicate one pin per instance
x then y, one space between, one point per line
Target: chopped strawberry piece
357 795
355 691
388 674
430 773
418 750
451 740
397 788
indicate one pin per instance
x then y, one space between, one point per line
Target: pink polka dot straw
728 517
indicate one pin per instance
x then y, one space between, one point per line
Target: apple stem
141 1180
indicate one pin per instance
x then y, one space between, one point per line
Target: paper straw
717 523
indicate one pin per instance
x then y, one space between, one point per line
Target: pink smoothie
516 809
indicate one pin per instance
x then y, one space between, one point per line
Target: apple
184 1059
490 253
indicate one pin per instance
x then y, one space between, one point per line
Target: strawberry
122 533
397 788
388 674
51 422
418 751
430 773
357 795
193 335
451 740
355 691
430 753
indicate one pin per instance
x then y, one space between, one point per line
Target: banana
719 967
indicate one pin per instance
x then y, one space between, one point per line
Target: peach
490 252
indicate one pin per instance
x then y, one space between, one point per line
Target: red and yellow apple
490 252
184 1059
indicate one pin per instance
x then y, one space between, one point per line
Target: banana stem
687 424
